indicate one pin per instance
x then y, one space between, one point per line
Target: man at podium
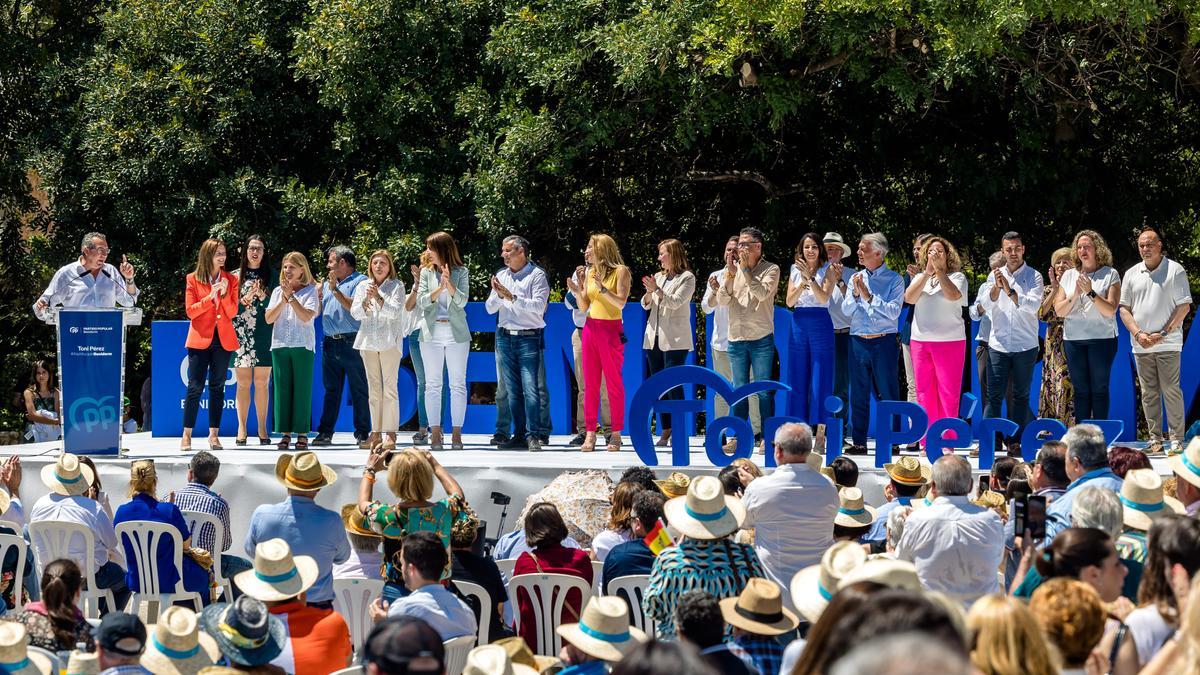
90 281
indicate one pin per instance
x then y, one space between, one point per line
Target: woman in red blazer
211 302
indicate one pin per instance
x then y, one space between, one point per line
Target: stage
247 473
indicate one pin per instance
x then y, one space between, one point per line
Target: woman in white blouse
939 335
669 336
810 347
1087 300
379 305
291 311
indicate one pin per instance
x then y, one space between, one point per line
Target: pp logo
73 330
88 414
183 374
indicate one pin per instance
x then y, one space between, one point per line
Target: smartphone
985 484
1030 514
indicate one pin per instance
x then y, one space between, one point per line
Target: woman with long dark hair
252 360
445 337
55 622
211 301
810 347
669 336
42 409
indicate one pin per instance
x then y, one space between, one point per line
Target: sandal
614 446
302 443
239 441
589 442
284 442
264 440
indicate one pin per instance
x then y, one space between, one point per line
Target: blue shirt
335 318
765 652
309 530
878 531
631 557
198 497
439 608
1058 512
880 315
144 507
512 545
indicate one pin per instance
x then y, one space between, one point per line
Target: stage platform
247 473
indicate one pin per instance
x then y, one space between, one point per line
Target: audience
545 532
1122 459
618 530
403 644
1005 639
903 654
634 556
198 496
478 569
854 518
1087 466
365 561
602 635
642 476
699 621
662 658
907 477
422 559
758 618
120 642
1002 472
249 637
1186 467
1173 560
843 472
55 622
177 646
1071 615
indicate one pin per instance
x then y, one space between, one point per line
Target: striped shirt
198 497
702 564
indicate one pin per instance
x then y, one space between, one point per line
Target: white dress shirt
85 512
381 327
288 330
72 286
956 546
720 331
985 321
792 512
527 308
1014 325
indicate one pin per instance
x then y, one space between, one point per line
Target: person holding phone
211 301
668 338
252 360
90 281
445 338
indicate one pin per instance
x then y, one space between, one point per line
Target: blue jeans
414 351
874 366
1017 367
340 362
231 565
760 355
111 576
522 360
1089 363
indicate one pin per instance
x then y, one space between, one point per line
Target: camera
501 499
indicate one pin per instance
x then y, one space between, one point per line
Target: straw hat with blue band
813 587
245 631
705 512
303 472
853 512
68 476
15 657
277 575
603 630
1186 464
177 646
759 609
1143 501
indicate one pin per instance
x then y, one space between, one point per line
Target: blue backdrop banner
90 356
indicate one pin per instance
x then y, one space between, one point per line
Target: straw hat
889 572
908 471
1186 464
853 512
706 512
813 587
355 522
245 630
836 239
68 476
603 630
676 484
5 500
759 609
493 660
1143 499
83 663
303 472
277 575
519 652
176 645
15 656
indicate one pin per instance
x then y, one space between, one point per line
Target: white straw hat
813 587
603 630
853 512
277 574
177 646
15 657
1186 464
1143 500
705 512
303 472
68 476
493 660
759 609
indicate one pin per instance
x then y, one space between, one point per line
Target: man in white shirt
836 249
720 337
519 295
1155 299
422 559
90 281
956 546
1012 296
791 510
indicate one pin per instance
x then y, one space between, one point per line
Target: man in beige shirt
748 289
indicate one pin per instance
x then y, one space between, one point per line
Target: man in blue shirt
340 361
634 556
873 304
1087 466
422 558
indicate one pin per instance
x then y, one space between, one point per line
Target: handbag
200 556
566 605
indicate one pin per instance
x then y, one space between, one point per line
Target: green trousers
293 375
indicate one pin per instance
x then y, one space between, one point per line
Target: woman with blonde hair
1057 398
445 337
601 288
378 305
1087 299
290 312
1072 617
410 477
669 336
1004 638
211 301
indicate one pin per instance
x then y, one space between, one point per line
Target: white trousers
441 350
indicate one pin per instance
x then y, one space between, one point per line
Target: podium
91 373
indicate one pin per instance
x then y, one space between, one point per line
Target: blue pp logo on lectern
89 414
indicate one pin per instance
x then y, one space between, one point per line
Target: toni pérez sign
90 347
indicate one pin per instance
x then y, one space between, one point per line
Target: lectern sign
90 345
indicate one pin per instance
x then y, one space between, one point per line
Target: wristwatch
603 289
1091 294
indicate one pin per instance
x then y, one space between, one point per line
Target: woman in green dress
1057 398
252 360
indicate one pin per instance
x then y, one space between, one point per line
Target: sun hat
68 476
853 512
813 587
83 663
676 484
245 631
1143 500
759 609
355 522
705 512
518 650
603 630
493 660
1186 464
908 470
277 574
176 646
836 239
889 572
303 471
15 657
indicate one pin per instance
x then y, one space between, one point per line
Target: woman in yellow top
601 289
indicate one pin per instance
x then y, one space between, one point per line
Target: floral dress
250 325
1057 397
394 523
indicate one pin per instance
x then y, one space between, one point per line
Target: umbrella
584 500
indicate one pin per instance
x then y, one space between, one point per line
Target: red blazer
205 313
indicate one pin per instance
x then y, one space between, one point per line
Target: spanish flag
658 538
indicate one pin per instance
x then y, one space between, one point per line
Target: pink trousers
603 355
938 370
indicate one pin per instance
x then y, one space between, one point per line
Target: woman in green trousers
291 311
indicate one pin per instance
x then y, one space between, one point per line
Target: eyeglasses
102 250
748 244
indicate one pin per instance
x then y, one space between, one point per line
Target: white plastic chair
195 521
547 595
8 541
56 664
597 571
506 567
485 607
456 653
352 599
144 537
352 670
632 589
51 540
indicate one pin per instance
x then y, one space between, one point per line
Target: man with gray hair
90 281
792 509
340 361
1087 466
873 304
956 546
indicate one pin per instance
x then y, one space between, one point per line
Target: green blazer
427 307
